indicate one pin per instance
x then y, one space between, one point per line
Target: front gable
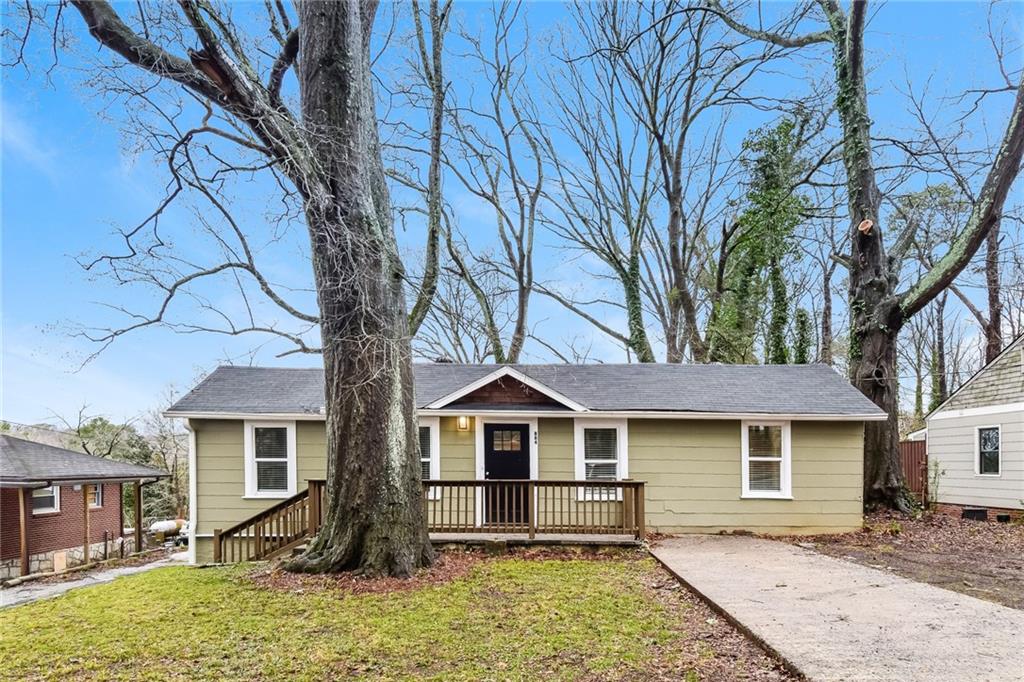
507 390
507 386
1001 382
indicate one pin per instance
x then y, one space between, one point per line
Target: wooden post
23 530
138 516
85 510
628 500
314 508
641 521
531 507
216 546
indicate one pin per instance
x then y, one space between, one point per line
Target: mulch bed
978 558
449 565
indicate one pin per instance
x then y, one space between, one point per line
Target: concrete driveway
836 620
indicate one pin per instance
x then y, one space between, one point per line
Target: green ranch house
543 453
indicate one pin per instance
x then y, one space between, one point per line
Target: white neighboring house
976 438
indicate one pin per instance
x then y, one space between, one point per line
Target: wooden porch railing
273 531
471 507
535 507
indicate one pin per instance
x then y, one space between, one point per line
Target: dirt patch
136 560
978 558
708 644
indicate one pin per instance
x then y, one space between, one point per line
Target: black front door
506 457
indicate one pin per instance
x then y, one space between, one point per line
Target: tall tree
877 308
330 154
432 69
803 342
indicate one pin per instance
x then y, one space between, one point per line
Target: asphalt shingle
24 460
727 389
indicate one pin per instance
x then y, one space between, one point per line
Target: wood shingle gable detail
507 391
508 385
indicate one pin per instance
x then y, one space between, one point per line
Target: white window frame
434 424
250 460
621 427
98 487
56 501
785 468
977 450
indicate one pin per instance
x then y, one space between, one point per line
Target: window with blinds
96 495
764 457
600 460
270 452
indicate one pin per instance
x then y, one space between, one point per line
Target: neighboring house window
601 455
46 500
96 496
270 459
988 450
766 459
430 451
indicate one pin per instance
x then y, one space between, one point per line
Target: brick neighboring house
53 499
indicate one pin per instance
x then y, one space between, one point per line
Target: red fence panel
914 461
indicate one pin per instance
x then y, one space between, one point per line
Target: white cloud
21 140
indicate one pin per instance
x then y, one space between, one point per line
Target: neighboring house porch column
23 530
85 523
138 516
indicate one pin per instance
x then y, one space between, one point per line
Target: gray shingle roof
24 460
727 389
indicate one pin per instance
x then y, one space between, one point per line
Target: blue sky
67 183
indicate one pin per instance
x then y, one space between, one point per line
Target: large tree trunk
874 372
374 520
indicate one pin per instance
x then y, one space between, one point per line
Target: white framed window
46 500
988 451
766 453
601 454
430 452
96 496
270 459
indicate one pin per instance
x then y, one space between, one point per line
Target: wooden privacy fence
535 507
274 531
914 462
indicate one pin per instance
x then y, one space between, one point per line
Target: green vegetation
755 283
506 619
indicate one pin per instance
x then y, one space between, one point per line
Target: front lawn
504 618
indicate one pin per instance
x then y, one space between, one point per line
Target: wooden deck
580 539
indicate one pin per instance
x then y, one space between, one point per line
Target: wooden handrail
273 530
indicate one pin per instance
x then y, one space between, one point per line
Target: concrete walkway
836 620
36 590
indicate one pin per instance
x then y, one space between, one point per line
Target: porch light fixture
462 423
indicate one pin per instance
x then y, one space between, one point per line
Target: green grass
507 619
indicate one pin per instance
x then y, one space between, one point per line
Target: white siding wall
951 444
